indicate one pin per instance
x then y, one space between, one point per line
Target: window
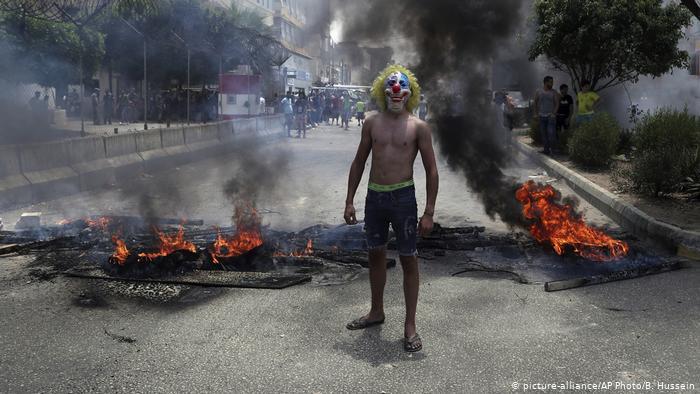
231 99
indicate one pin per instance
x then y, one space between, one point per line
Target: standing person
360 106
335 102
288 111
45 120
422 108
347 110
509 114
328 111
394 137
587 102
74 103
262 106
108 106
322 108
95 100
318 108
565 112
300 108
546 107
35 104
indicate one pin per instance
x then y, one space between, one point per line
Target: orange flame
308 251
121 252
100 223
246 238
556 223
170 243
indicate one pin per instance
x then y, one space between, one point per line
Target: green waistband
389 188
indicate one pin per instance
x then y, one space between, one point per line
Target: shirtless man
394 136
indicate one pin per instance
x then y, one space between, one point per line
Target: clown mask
398 90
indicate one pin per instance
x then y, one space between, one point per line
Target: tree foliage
216 37
46 53
609 42
43 43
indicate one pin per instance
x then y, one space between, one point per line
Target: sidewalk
73 124
667 221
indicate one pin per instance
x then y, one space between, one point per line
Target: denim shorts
397 207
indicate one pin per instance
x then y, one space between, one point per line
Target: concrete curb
685 243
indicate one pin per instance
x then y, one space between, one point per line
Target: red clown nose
396 88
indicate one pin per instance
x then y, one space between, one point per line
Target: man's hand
349 214
425 225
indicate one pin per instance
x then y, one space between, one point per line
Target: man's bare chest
396 138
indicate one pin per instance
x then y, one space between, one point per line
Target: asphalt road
481 333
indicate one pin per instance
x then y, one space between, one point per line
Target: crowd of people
333 107
554 111
127 106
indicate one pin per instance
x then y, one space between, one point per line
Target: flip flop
412 344
361 323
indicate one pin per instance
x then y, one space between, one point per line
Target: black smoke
454 44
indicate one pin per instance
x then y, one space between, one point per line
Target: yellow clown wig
378 87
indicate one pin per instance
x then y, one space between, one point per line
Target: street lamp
145 74
188 74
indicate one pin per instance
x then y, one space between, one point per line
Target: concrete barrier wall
46 167
120 145
40 172
210 132
49 155
225 132
9 161
86 149
88 159
172 137
148 140
193 134
15 189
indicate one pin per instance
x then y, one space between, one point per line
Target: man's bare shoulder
372 117
421 126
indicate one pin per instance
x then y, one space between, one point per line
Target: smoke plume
453 44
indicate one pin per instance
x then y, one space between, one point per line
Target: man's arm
356 170
427 154
557 102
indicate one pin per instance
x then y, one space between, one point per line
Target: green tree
609 42
45 52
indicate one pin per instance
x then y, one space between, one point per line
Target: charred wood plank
258 280
612 276
349 258
162 221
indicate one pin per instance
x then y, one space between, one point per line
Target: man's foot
412 344
363 322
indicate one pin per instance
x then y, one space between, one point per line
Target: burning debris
555 222
246 238
169 244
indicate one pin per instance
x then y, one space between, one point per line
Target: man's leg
544 125
552 134
410 292
377 281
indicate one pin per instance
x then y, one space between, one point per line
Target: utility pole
188 73
145 74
